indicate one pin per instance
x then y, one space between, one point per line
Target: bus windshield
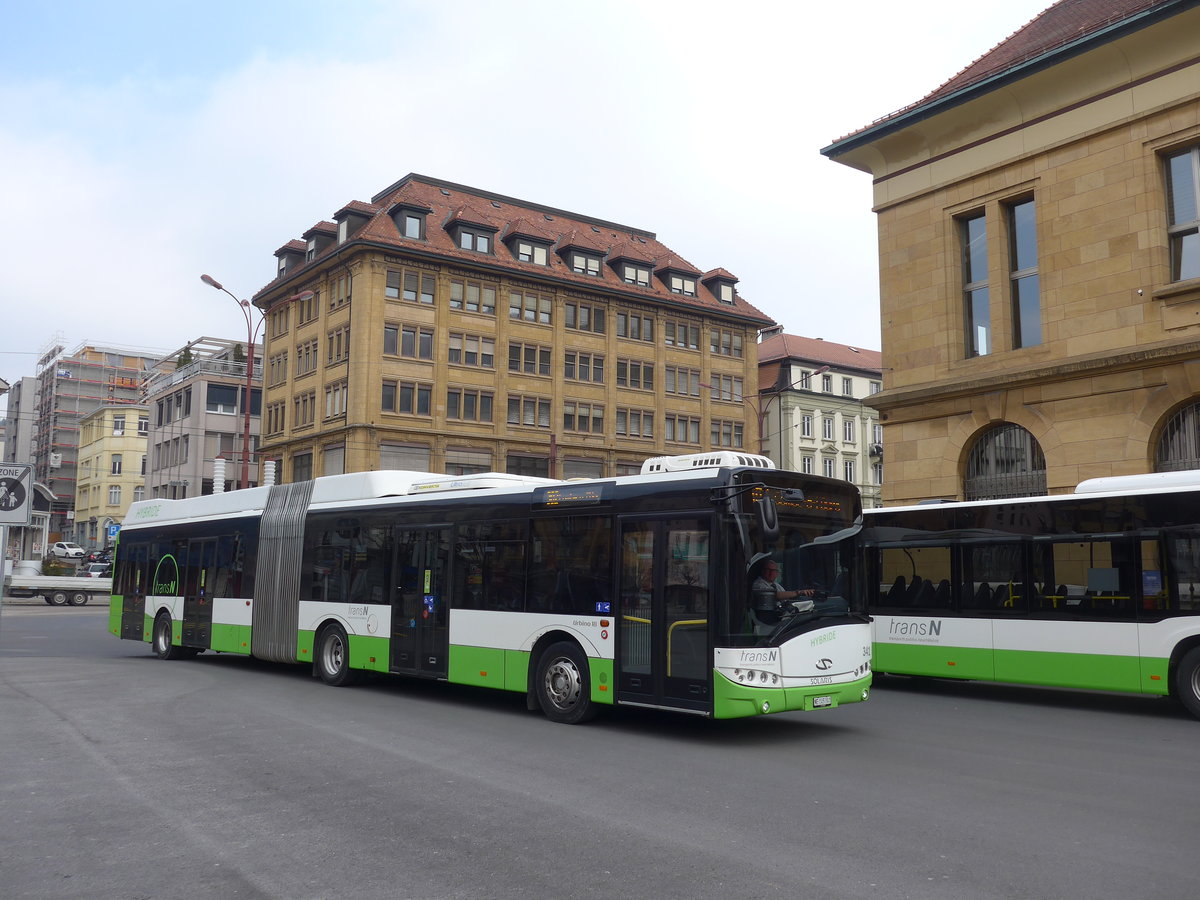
793 565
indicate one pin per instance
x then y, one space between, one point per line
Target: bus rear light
951 662
1156 678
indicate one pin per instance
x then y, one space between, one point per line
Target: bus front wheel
333 657
1187 681
562 685
163 647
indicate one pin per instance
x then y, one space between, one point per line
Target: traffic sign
112 530
16 494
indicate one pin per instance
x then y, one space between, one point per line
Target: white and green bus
1099 589
580 594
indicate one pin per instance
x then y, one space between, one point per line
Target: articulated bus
1098 589
580 594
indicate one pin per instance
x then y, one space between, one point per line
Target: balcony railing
224 367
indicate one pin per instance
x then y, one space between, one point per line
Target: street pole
251 338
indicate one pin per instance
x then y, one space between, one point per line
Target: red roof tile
819 352
449 203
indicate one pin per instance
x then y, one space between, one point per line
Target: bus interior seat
983 596
1002 596
914 591
925 594
941 597
895 596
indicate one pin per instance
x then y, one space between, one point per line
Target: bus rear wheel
562 685
163 647
1187 681
333 657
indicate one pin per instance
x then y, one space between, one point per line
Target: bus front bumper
732 700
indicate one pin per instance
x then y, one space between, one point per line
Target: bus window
489 569
1154 589
571 565
917 578
1184 552
994 577
1098 578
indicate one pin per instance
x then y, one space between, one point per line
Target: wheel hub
563 683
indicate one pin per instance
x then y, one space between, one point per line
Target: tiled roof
322 228
295 246
1062 24
819 352
449 203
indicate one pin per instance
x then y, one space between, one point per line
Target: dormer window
683 284
343 231
310 252
473 239
725 293
283 266
528 251
639 275
409 221
585 264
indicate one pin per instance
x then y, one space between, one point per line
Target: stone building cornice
1095 364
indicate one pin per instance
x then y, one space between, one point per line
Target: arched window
1179 444
1006 461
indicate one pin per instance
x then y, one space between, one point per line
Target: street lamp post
251 338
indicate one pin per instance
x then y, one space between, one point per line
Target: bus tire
163 648
562 686
1187 681
58 598
333 657
79 598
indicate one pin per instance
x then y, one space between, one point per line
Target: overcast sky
145 143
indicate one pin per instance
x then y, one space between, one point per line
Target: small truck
57 590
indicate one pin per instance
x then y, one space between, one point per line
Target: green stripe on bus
371 653
509 670
115 605
231 638
939 661
732 700
1092 671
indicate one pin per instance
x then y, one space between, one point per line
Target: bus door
132 586
197 592
664 655
420 602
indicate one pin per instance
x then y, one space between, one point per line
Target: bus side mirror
768 517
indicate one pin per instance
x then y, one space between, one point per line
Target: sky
145 143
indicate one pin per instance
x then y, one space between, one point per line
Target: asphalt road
128 777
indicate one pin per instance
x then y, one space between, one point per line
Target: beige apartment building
112 470
1040 258
815 399
444 328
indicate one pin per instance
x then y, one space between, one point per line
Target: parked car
96 570
100 556
66 550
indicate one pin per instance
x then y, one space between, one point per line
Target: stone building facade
1039 257
445 328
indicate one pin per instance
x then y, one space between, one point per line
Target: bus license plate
822 701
